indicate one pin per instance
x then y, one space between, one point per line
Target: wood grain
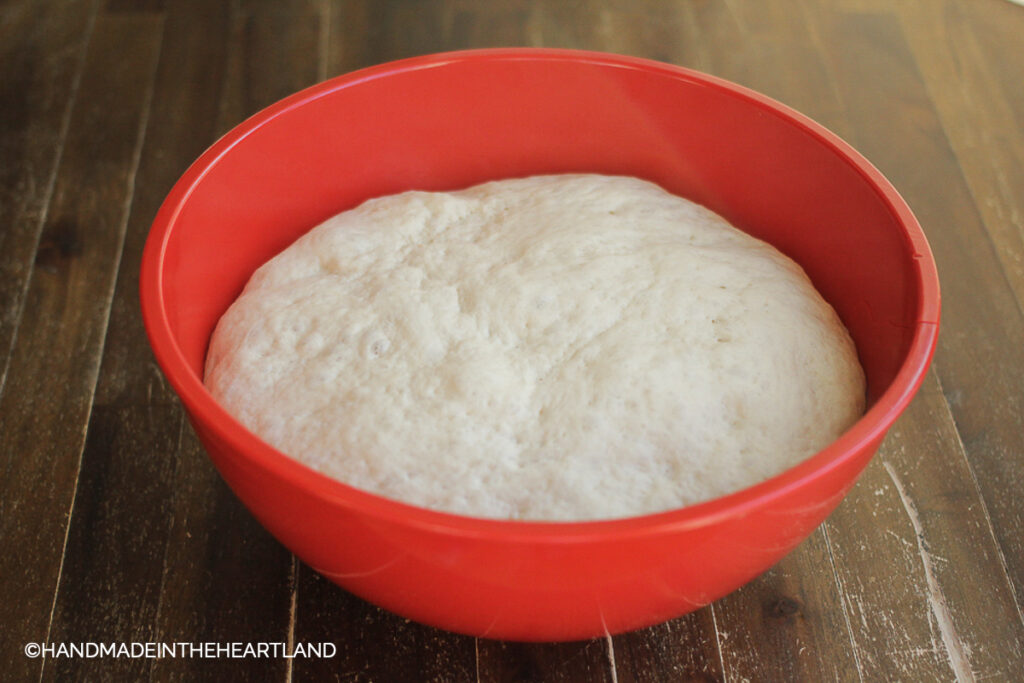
893 657
977 96
185 559
125 501
980 360
943 581
373 644
683 649
506 662
111 551
42 53
48 396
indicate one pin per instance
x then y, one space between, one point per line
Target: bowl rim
869 428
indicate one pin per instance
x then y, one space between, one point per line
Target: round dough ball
549 348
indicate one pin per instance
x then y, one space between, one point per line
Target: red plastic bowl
452 120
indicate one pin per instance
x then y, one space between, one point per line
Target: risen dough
554 347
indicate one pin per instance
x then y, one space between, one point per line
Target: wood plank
984 395
54 363
927 593
997 27
586 660
184 120
275 51
789 623
683 649
970 58
42 52
468 25
190 539
651 29
372 644
223 578
364 32
914 651
955 603
766 47
146 6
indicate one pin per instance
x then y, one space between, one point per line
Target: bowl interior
437 124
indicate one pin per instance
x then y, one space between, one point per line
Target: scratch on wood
611 655
843 598
294 581
157 634
476 657
899 538
60 565
718 644
984 508
955 649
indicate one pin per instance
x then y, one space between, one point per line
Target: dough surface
556 347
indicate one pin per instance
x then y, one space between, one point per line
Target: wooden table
115 527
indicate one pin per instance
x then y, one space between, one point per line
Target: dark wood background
115 527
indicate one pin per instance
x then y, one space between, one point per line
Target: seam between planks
292 609
718 644
841 587
122 229
981 501
163 569
323 48
324 40
819 45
